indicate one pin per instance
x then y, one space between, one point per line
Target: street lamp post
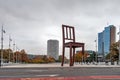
13 52
9 47
16 55
96 50
2 31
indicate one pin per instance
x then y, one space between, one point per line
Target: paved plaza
54 71
18 65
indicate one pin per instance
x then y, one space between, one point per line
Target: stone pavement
107 77
17 65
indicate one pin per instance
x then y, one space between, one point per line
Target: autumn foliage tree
114 53
7 53
48 59
60 59
24 57
36 59
80 57
17 56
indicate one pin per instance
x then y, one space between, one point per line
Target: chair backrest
68 33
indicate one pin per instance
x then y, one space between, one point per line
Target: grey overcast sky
32 22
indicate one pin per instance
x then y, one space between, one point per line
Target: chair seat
73 44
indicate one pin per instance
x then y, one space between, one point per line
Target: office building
53 49
105 39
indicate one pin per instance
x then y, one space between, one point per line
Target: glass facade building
105 39
100 42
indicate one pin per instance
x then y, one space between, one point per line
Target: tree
60 59
80 57
24 57
114 52
17 56
14 56
51 59
37 59
48 59
6 54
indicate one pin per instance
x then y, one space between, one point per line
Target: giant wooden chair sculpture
69 42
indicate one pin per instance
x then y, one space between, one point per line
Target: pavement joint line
49 75
38 70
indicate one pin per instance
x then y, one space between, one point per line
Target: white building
53 49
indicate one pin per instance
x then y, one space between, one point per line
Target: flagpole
1 46
96 50
9 47
16 53
13 51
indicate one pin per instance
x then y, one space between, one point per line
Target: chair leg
73 56
83 52
70 56
63 54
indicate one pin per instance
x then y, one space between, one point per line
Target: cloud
32 22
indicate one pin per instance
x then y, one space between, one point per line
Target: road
58 72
